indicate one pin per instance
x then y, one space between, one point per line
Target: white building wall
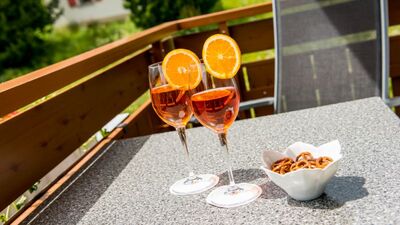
95 11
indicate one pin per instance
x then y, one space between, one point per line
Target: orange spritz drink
170 82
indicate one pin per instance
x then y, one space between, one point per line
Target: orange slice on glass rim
182 69
221 55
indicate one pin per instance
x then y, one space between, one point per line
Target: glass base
233 196
200 183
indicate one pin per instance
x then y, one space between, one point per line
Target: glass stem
224 144
182 136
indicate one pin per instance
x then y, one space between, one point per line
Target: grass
230 4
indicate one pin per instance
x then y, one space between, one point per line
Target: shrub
21 24
148 13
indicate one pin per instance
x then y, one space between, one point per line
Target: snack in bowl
304 160
303 170
282 166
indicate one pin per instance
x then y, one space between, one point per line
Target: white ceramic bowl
303 184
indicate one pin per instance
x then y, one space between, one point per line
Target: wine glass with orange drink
170 82
215 103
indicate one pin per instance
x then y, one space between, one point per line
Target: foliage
34 187
66 42
20 202
3 217
21 22
62 43
148 13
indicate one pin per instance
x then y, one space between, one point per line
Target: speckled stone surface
129 183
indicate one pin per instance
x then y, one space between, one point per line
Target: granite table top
129 182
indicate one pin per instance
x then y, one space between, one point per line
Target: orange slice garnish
182 69
221 56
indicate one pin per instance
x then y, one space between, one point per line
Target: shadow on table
241 175
269 189
338 191
272 191
71 203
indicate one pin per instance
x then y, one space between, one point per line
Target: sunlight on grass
230 4
394 30
137 103
257 56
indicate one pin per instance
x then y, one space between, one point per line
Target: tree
148 13
22 22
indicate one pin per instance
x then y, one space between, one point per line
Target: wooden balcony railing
88 90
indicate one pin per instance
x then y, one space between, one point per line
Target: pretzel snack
321 162
304 155
304 160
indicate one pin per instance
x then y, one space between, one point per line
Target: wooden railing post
157 52
223 27
168 45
